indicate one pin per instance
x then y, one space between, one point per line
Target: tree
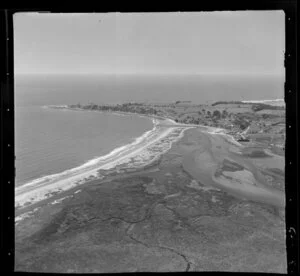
217 114
243 125
224 113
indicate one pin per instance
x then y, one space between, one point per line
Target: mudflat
226 166
203 206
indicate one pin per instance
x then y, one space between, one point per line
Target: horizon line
154 74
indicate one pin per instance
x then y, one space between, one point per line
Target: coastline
163 119
142 152
200 180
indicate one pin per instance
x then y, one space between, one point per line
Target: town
258 123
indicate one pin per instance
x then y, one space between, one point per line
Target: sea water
50 141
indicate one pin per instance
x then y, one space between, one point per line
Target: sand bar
161 137
202 165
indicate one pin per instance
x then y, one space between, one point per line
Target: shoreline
150 116
143 151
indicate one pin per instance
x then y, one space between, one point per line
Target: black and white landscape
150 142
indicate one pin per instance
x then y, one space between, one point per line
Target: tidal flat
172 215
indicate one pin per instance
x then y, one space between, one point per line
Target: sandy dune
48 186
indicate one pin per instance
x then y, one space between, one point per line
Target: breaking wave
94 162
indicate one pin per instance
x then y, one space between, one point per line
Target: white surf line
146 156
46 190
155 118
96 161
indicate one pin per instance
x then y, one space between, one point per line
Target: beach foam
140 149
114 153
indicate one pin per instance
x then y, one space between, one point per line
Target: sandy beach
181 210
201 162
150 142
142 151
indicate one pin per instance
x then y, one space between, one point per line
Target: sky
237 42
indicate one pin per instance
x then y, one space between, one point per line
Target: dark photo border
7 111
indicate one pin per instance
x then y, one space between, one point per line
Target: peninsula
204 190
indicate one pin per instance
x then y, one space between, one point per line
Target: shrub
217 114
224 113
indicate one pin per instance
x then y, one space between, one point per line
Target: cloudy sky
240 42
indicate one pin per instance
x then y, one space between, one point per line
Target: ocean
50 141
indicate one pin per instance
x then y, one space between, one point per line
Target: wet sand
145 151
204 150
175 214
203 162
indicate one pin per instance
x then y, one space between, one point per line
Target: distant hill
255 105
228 102
262 106
178 102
